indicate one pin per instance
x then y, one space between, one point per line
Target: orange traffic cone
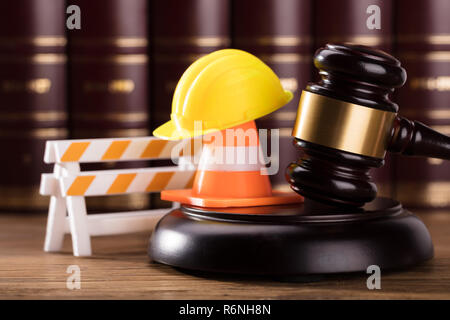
231 173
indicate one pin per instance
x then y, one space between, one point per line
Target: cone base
290 241
186 196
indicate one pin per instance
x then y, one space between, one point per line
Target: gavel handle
416 139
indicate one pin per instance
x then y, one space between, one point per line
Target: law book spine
109 80
346 21
32 96
279 33
423 46
181 32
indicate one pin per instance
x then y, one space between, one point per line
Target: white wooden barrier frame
67 187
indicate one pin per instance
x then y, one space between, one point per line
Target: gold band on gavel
342 125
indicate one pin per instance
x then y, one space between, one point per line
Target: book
423 46
181 32
109 80
32 94
279 33
346 21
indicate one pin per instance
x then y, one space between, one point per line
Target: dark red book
109 80
32 96
279 33
109 69
182 31
423 46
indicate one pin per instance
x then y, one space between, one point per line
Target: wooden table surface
120 269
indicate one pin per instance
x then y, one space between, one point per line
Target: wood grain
120 269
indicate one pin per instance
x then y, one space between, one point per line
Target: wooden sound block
291 239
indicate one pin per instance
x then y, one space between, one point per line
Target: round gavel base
287 240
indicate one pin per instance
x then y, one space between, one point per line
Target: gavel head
344 123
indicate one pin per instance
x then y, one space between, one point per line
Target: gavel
346 122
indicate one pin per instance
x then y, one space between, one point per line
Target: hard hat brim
170 131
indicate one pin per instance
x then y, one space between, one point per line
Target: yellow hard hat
222 89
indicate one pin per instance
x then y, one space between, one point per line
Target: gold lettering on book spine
109 133
435 39
437 56
41 133
38 86
39 41
112 116
194 41
290 84
130 59
441 83
113 86
121 42
367 40
285 58
39 58
279 41
40 116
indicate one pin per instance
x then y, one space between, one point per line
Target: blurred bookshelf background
115 77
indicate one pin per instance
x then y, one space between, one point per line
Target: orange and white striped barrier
68 186
125 181
102 150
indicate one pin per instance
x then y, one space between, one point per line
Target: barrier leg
79 229
56 221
